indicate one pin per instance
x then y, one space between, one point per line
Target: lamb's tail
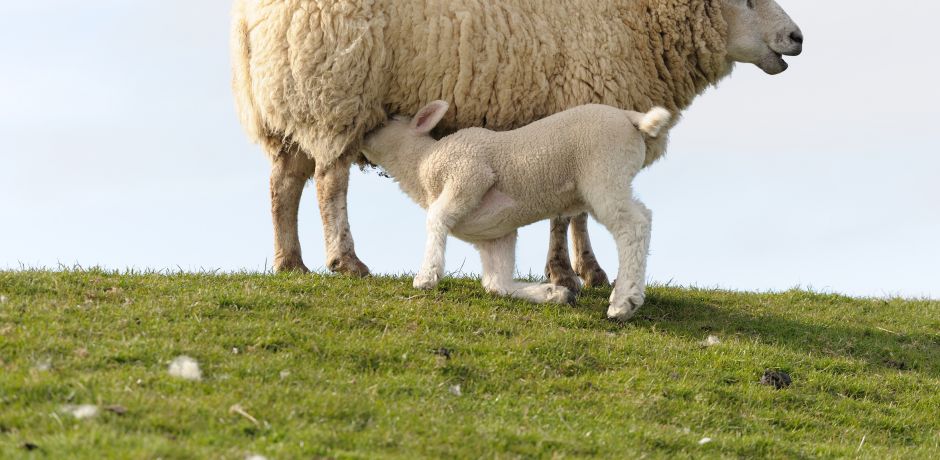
651 123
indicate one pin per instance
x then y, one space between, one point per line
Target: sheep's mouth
773 63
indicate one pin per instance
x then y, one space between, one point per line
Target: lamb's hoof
349 265
426 282
561 274
594 276
625 307
560 295
290 265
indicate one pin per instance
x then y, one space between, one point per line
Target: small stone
116 409
234 350
777 379
455 390
3 299
704 441
255 457
285 374
82 411
711 341
44 365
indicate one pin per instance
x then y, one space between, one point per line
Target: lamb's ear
428 117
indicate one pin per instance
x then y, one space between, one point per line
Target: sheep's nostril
797 37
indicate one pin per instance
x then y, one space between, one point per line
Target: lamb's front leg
443 214
439 223
499 262
630 222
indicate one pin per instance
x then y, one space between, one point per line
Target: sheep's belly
499 214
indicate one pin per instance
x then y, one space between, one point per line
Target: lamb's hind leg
499 262
290 170
332 185
558 266
630 223
585 263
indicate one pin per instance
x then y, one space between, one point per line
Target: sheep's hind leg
290 170
558 266
630 223
332 185
499 262
585 263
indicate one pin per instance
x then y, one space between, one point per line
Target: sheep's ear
428 117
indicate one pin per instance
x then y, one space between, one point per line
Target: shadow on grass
695 317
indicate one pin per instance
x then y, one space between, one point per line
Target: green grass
345 368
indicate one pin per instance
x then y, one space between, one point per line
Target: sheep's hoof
290 265
560 274
593 276
425 282
625 307
349 265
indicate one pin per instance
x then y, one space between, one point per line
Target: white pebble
711 341
81 412
3 299
256 457
455 390
44 365
704 441
185 367
285 374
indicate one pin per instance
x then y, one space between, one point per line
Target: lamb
311 78
482 185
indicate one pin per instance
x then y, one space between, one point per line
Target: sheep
310 78
482 185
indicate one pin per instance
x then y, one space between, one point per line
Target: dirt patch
777 379
899 365
443 352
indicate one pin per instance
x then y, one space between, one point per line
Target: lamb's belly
499 215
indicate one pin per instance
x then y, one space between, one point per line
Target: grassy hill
330 367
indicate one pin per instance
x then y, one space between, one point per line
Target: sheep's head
402 133
760 32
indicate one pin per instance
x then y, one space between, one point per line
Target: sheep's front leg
558 265
499 262
585 263
630 222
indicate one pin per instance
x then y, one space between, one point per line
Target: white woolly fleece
319 75
481 185
185 367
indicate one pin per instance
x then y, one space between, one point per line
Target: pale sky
119 147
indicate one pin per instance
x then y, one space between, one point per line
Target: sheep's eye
750 4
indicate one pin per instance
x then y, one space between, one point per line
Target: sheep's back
325 73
